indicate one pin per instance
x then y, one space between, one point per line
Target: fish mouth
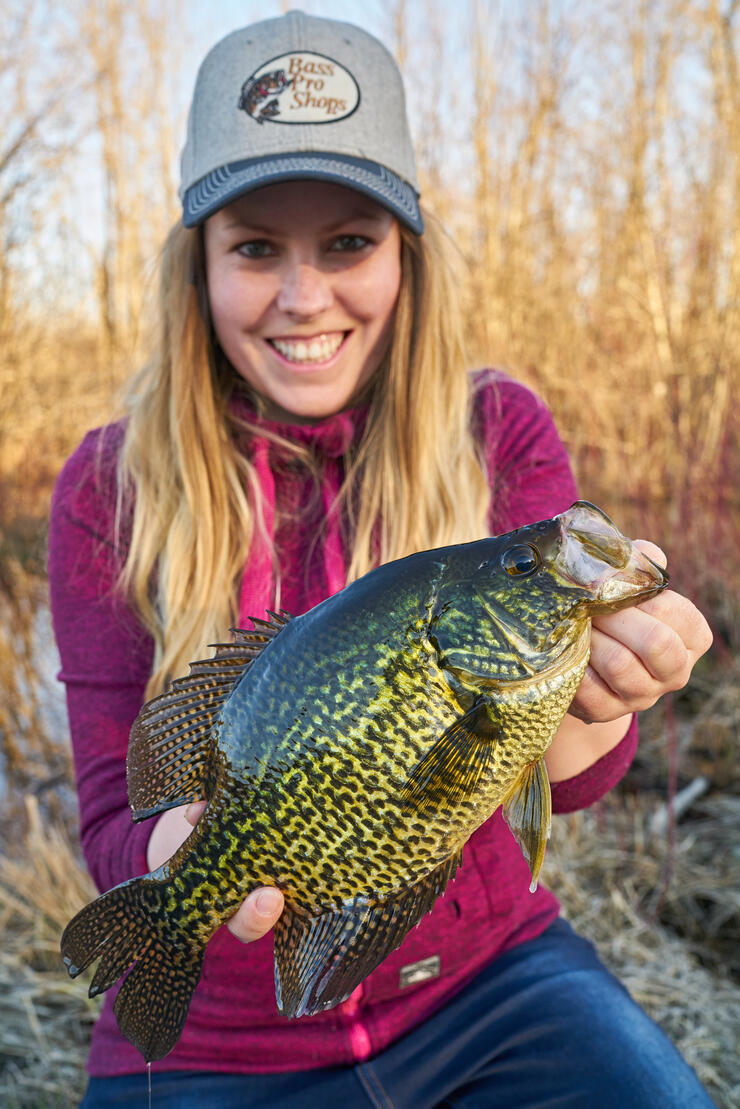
595 556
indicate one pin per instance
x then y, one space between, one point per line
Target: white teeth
320 349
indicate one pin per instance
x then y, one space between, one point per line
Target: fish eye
521 560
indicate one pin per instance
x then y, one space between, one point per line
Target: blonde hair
415 480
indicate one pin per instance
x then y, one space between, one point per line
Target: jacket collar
331 437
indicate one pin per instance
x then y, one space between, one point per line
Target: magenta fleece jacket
233 1024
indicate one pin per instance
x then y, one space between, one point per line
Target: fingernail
267 902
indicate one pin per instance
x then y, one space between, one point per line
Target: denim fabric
545 1026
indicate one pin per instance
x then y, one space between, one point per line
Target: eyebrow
236 222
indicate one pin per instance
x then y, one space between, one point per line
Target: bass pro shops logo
300 88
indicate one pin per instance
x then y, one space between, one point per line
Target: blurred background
585 159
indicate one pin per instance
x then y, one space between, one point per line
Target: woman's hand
637 655
641 653
256 915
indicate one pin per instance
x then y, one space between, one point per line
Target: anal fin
320 960
527 809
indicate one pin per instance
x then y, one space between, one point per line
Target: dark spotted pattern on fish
348 754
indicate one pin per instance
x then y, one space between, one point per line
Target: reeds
605 866
586 162
45 1018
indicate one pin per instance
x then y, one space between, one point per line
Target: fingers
595 702
668 633
639 654
683 616
676 610
257 914
168 833
617 680
621 648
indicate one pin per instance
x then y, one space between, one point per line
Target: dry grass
588 172
663 908
32 757
671 942
606 867
45 1018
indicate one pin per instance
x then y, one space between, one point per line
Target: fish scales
336 825
311 810
348 754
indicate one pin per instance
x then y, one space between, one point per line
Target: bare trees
87 191
35 134
130 50
587 161
585 157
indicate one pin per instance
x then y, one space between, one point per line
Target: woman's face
303 279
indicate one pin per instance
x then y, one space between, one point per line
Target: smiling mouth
318 349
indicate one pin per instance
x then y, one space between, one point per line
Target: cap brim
221 186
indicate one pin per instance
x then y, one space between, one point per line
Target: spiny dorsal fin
527 809
320 960
170 745
451 770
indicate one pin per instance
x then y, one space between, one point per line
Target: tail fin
127 927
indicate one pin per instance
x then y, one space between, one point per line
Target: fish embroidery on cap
256 90
302 87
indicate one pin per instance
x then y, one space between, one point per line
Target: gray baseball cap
293 98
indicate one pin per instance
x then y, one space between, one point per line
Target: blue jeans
545 1026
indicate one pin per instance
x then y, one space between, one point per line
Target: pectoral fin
451 770
527 809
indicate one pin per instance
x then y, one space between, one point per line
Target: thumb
257 914
652 550
194 811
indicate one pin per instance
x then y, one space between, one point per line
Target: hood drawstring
334 565
331 439
256 593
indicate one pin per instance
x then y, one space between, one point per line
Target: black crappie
347 755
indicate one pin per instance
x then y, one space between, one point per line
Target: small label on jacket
420 972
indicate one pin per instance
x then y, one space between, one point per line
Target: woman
306 416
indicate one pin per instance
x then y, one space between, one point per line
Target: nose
304 290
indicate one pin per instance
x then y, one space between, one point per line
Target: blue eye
521 560
256 248
349 243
